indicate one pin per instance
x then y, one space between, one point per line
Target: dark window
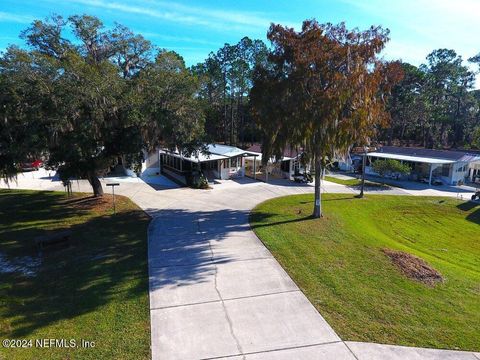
446 170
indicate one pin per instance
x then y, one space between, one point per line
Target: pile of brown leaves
414 268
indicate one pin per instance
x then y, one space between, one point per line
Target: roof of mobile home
430 156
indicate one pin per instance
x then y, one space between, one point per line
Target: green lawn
353 182
96 290
349 182
338 263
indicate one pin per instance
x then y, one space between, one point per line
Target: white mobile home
445 166
217 162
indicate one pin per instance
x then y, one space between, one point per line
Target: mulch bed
414 268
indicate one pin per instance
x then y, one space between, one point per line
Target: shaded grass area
95 289
339 264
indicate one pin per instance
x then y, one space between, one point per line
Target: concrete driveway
216 291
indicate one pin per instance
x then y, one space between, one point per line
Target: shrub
390 166
197 180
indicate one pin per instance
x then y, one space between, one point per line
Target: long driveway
217 293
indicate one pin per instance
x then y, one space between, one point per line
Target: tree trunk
364 165
224 109
317 209
232 129
96 185
242 120
390 136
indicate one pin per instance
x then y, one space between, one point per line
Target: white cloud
411 53
190 15
427 24
182 39
421 26
237 17
10 17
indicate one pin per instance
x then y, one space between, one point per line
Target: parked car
303 178
31 166
435 181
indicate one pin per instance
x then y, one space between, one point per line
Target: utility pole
364 165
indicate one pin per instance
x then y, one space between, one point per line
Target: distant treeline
435 105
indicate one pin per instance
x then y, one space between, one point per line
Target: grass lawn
349 182
353 182
339 264
96 289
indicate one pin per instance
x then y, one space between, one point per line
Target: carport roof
258 156
418 159
455 155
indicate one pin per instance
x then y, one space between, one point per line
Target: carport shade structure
456 165
425 160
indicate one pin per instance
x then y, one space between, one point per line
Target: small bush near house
390 166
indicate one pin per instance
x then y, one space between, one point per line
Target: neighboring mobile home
218 162
428 165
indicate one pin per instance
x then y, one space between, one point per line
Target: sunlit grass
337 261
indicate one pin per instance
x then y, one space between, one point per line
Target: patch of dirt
414 267
99 204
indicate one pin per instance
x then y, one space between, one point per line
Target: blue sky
194 28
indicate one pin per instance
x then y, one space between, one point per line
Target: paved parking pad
199 331
368 351
277 321
250 280
331 351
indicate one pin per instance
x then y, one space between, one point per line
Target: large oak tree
92 102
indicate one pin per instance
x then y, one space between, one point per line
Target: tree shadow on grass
371 187
468 205
28 214
335 198
77 280
258 218
474 211
108 260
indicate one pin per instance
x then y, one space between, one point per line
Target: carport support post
254 167
430 177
